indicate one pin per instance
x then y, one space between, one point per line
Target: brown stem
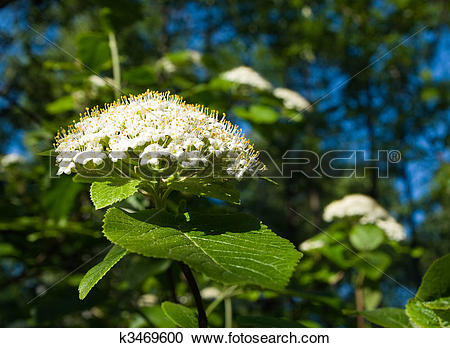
359 299
202 319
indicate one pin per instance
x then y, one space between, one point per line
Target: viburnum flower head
245 75
157 130
368 211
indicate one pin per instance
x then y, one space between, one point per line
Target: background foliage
57 59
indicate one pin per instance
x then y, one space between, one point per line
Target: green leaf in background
107 193
436 281
421 316
387 317
340 255
366 237
56 207
372 298
257 114
143 75
157 317
225 191
180 315
61 105
230 248
7 249
93 51
98 271
373 263
266 322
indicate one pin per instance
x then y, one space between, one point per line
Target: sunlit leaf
436 281
98 271
180 315
107 193
387 317
422 316
224 191
230 248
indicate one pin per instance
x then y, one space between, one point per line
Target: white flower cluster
247 76
369 211
151 126
167 65
291 99
195 57
311 244
11 159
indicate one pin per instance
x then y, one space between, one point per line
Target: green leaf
421 316
93 51
270 180
372 298
107 192
158 318
373 264
339 254
180 315
442 304
81 179
143 75
7 249
266 322
366 237
47 153
230 248
257 114
98 271
436 281
225 191
387 317
56 207
60 105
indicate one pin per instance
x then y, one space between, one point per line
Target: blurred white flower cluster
151 128
247 76
11 159
369 211
291 99
167 65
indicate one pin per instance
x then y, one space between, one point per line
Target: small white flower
247 76
86 156
65 167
